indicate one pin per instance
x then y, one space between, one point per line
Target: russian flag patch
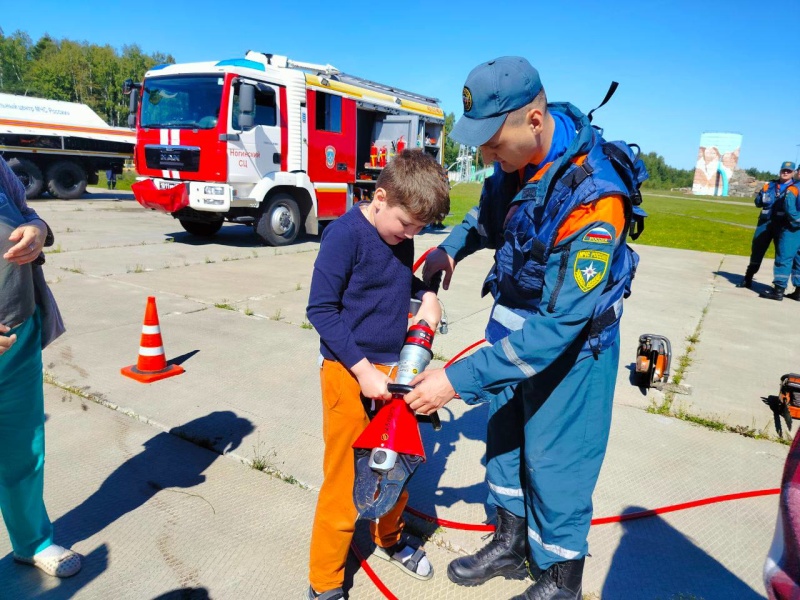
598 235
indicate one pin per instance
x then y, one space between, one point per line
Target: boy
358 303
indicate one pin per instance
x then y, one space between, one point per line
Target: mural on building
716 161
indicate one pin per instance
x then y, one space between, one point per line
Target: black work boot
747 282
562 581
795 295
776 293
504 555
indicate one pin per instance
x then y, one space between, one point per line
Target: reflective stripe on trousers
562 419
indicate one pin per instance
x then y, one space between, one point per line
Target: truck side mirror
247 105
132 106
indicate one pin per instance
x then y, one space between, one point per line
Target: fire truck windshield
181 102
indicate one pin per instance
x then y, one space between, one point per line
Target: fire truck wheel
202 228
30 175
66 180
279 222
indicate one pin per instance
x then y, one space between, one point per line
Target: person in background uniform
769 198
29 320
786 213
560 260
795 295
111 179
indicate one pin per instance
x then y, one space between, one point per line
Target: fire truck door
331 150
257 152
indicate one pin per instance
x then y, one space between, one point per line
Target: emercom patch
590 267
598 235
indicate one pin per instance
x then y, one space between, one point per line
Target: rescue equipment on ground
789 398
373 156
382 157
152 364
390 449
653 358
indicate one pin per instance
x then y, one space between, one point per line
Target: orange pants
343 420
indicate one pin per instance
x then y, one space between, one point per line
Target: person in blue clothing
770 200
795 295
786 213
556 213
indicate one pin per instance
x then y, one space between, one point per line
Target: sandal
411 559
334 594
58 564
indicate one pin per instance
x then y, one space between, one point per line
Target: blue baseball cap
785 165
492 90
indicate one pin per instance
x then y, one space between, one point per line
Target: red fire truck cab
264 140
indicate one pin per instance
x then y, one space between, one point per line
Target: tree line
73 72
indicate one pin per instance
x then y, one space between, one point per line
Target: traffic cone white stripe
151 351
151 329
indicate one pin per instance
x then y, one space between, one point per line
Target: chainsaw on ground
653 359
390 449
789 400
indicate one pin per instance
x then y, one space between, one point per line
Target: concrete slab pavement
263 370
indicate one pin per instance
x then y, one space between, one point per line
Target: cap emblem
466 96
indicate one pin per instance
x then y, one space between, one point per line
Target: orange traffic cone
152 363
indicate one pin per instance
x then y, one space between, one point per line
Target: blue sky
684 67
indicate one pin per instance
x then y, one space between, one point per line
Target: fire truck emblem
466 96
330 156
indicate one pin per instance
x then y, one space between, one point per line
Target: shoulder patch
598 235
589 268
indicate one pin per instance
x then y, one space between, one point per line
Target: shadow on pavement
185 594
427 494
135 482
655 560
735 278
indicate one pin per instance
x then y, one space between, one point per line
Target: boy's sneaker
411 559
335 594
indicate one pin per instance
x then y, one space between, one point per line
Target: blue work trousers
786 257
767 232
546 442
22 441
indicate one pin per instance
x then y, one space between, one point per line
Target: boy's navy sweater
360 292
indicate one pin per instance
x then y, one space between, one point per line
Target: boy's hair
414 181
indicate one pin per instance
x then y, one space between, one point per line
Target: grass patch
248 311
306 325
224 305
75 269
54 250
277 315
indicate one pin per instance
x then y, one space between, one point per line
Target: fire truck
59 146
278 144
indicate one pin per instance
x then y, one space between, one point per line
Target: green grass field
674 220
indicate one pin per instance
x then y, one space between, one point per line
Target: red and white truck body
264 140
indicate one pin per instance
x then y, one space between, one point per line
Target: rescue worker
795 295
556 213
769 198
787 214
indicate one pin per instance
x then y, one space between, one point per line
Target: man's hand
432 390
30 241
437 261
373 383
6 341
